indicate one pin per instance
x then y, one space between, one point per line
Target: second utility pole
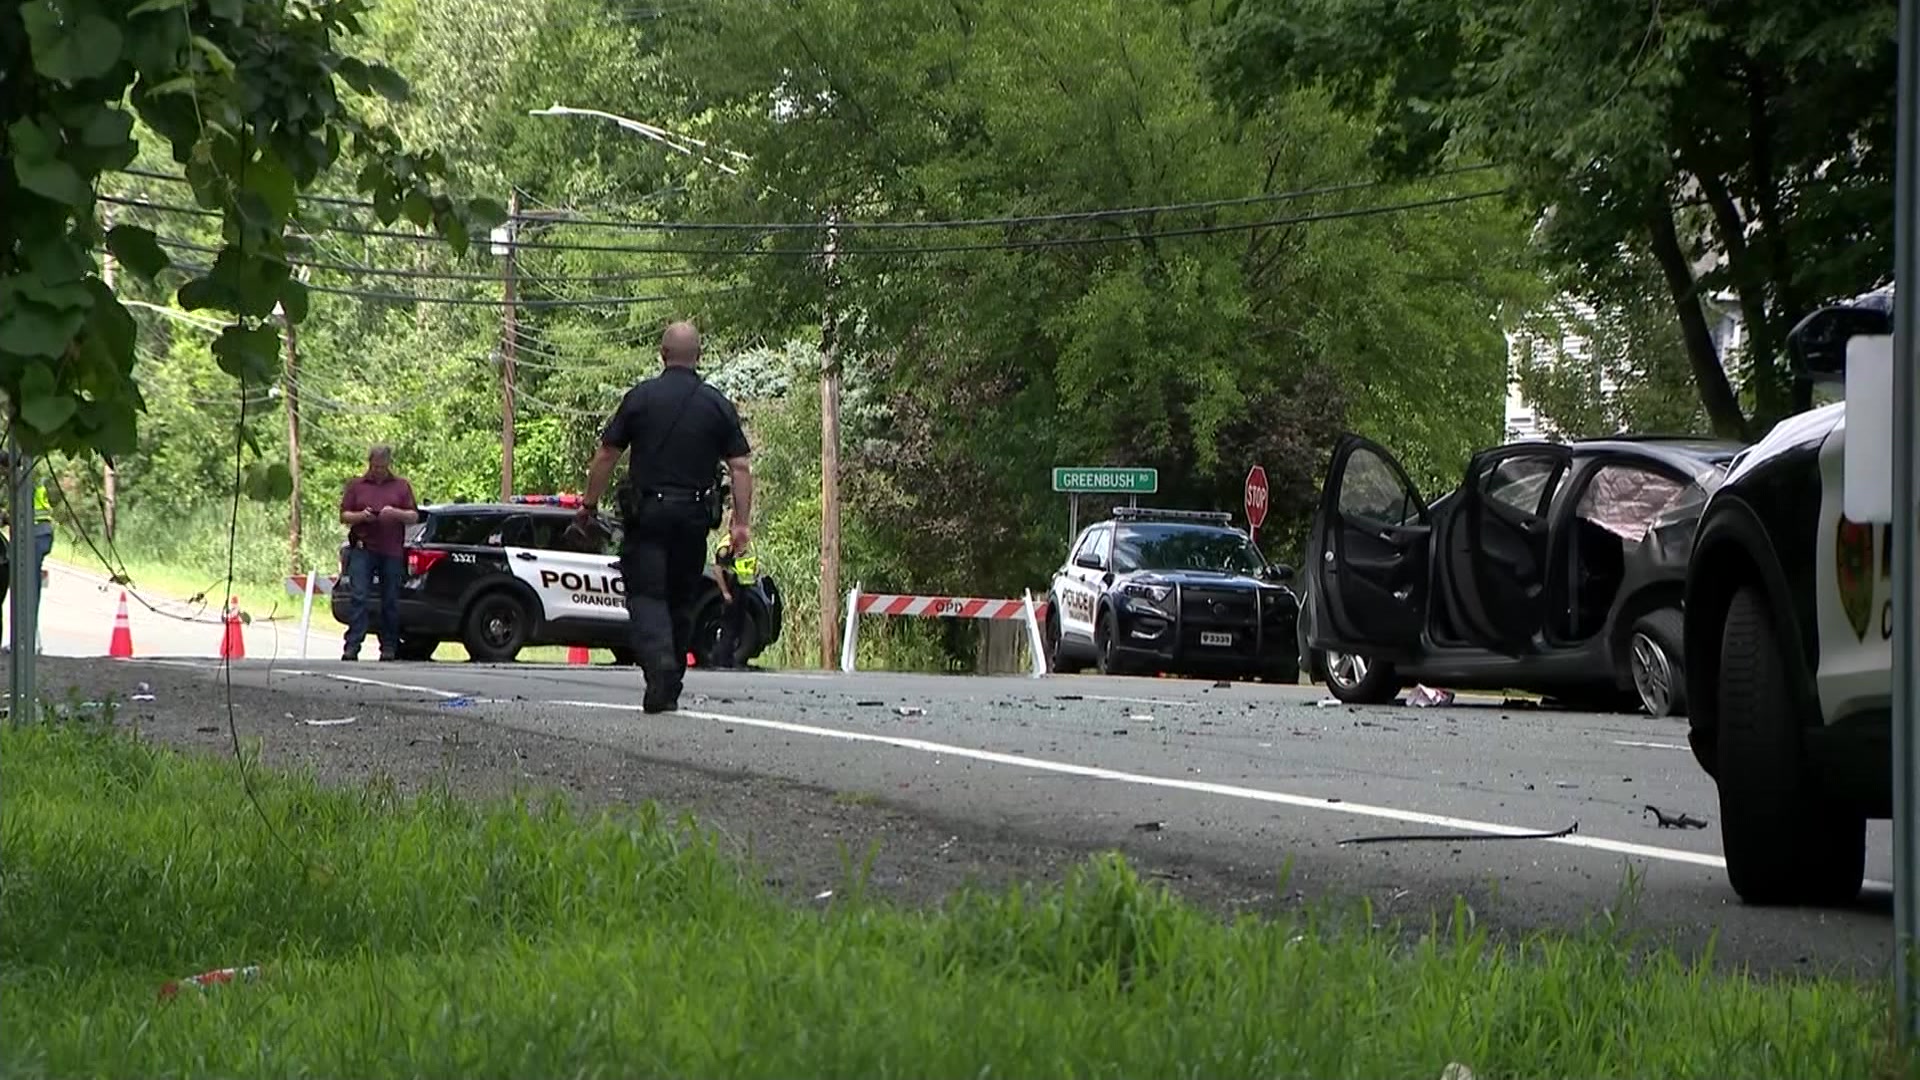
509 334
830 460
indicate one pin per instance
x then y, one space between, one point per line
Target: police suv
1788 630
499 577
1174 591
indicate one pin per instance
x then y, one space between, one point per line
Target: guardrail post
1034 640
850 636
306 614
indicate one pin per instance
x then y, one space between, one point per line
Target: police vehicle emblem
1853 551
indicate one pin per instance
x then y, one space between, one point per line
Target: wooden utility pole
109 480
290 395
509 334
830 459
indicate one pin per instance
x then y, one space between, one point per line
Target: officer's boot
663 686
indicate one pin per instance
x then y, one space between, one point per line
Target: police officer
679 429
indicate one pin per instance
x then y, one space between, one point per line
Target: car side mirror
1818 344
1278 572
1089 562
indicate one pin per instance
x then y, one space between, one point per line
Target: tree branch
1716 392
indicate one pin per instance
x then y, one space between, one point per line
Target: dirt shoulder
800 839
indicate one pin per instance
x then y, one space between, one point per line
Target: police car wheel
1106 643
1057 658
497 628
1785 842
1656 662
1358 680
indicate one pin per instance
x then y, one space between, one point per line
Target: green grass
430 937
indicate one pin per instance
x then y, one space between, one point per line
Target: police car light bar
1146 513
545 500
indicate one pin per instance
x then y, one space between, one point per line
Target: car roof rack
1148 513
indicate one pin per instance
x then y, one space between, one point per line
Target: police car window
1371 488
1174 547
1524 483
1089 543
1625 499
476 530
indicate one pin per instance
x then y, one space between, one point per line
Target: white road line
1651 745
1233 791
358 681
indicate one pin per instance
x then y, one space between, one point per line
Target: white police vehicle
1179 591
1788 630
500 577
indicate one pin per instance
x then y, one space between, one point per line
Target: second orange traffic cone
233 644
577 654
120 645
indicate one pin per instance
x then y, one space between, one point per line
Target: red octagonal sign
1257 497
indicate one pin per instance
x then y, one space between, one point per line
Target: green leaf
247 439
137 250
270 180
417 208
278 481
357 75
252 356
455 228
294 300
36 164
58 295
111 327
43 405
31 329
157 5
201 293
214 55
70 49
387 82
179 84
230 10
109 127
487 213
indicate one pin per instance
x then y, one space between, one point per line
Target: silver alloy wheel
1346 670
1652 675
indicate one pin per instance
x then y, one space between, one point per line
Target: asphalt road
1241 780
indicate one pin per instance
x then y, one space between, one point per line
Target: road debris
1223 685
207 729
1150 826
827 895
1119 731
1456 1071
1426 697
217 977
1674 821
1327 703
456 703
1141 718
330 723
1069 697
1458 837
141 692
910 710
868 704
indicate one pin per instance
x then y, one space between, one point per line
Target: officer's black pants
663 561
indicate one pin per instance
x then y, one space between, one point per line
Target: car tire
497 627
1785 842
1359 681
1656 659
1105 643
1057 659
416 650
706 635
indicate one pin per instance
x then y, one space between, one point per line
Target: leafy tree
1761 131
248 95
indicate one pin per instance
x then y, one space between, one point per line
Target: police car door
1083 580
577 579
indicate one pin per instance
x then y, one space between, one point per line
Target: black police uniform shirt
679 428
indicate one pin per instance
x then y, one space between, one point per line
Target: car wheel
1057 658
1107 644
708 624
1785 842
1657 663
416 649
497 628
1357 680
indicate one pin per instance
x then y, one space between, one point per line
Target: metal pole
1906 409
509 335
23 586
829 454
290 395
1073 517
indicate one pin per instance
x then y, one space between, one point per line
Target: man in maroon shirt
377 508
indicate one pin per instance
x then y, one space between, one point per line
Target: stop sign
1257 497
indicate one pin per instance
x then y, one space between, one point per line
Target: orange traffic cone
233 644
577 654
120 646
690 661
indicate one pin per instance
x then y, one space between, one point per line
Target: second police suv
1788 632
1171 591
501 577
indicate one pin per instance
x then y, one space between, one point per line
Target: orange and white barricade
942 607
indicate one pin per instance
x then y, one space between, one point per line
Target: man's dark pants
662 561
362 565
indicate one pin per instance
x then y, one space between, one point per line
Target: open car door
1370 555
1495 568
